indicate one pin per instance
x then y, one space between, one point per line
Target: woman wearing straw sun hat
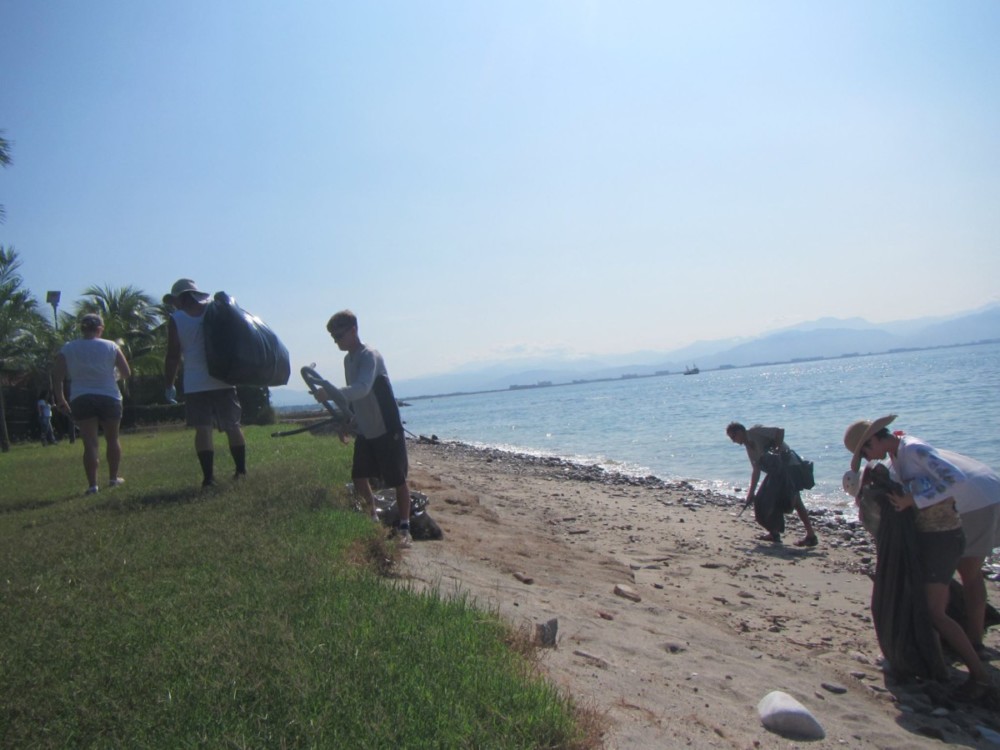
939 485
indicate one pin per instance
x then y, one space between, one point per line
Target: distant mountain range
818 339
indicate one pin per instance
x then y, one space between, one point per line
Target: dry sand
718 620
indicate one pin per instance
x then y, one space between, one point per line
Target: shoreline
842 522
672 621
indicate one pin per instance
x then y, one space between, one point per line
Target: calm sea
673 426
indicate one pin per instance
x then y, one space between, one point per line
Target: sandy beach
673 621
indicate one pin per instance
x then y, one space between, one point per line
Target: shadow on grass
28 505
158 500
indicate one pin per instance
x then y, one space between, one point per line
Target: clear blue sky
484 180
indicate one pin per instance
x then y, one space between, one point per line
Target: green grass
155 615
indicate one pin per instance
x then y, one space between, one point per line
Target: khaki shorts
982 531
220 408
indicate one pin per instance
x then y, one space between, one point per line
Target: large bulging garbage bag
240 348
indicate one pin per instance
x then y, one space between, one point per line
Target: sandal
772 537
807 541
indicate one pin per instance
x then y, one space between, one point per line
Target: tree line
30 337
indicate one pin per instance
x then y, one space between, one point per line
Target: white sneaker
116 482
92 490
405 540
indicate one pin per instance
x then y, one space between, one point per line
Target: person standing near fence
93 366
45 420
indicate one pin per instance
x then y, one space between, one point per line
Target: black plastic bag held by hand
240 348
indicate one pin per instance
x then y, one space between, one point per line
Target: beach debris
524 578
605 615
597 661
627 592
673 647
546 632
833 688
782 714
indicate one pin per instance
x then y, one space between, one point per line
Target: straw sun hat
859 432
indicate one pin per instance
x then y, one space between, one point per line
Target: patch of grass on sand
254 614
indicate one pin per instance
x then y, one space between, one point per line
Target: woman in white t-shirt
93 366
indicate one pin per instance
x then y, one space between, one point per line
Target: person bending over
758 441
933 476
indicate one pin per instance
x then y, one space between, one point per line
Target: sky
489 181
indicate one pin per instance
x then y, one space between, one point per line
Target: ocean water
673 426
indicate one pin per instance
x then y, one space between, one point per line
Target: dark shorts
220 408
92 406
940 552
383 457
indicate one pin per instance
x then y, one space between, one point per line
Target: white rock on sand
718 619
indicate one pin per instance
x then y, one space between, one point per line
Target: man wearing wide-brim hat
209 402
941 485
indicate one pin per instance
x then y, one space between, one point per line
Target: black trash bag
768 505
899 603
777 492
422 526
240 348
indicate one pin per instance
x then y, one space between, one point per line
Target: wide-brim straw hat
182 286
859 432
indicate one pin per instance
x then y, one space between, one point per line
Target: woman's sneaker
92 490
116 482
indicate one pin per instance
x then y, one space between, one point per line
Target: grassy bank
253 615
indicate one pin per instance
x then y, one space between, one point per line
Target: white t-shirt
191 332
931 475
90 366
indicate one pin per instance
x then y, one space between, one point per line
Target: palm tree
22 326
4 162
133 321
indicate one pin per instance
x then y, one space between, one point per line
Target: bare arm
173 360
121 364
58 381
754 478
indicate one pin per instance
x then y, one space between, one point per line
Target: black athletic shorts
383 457
93 406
